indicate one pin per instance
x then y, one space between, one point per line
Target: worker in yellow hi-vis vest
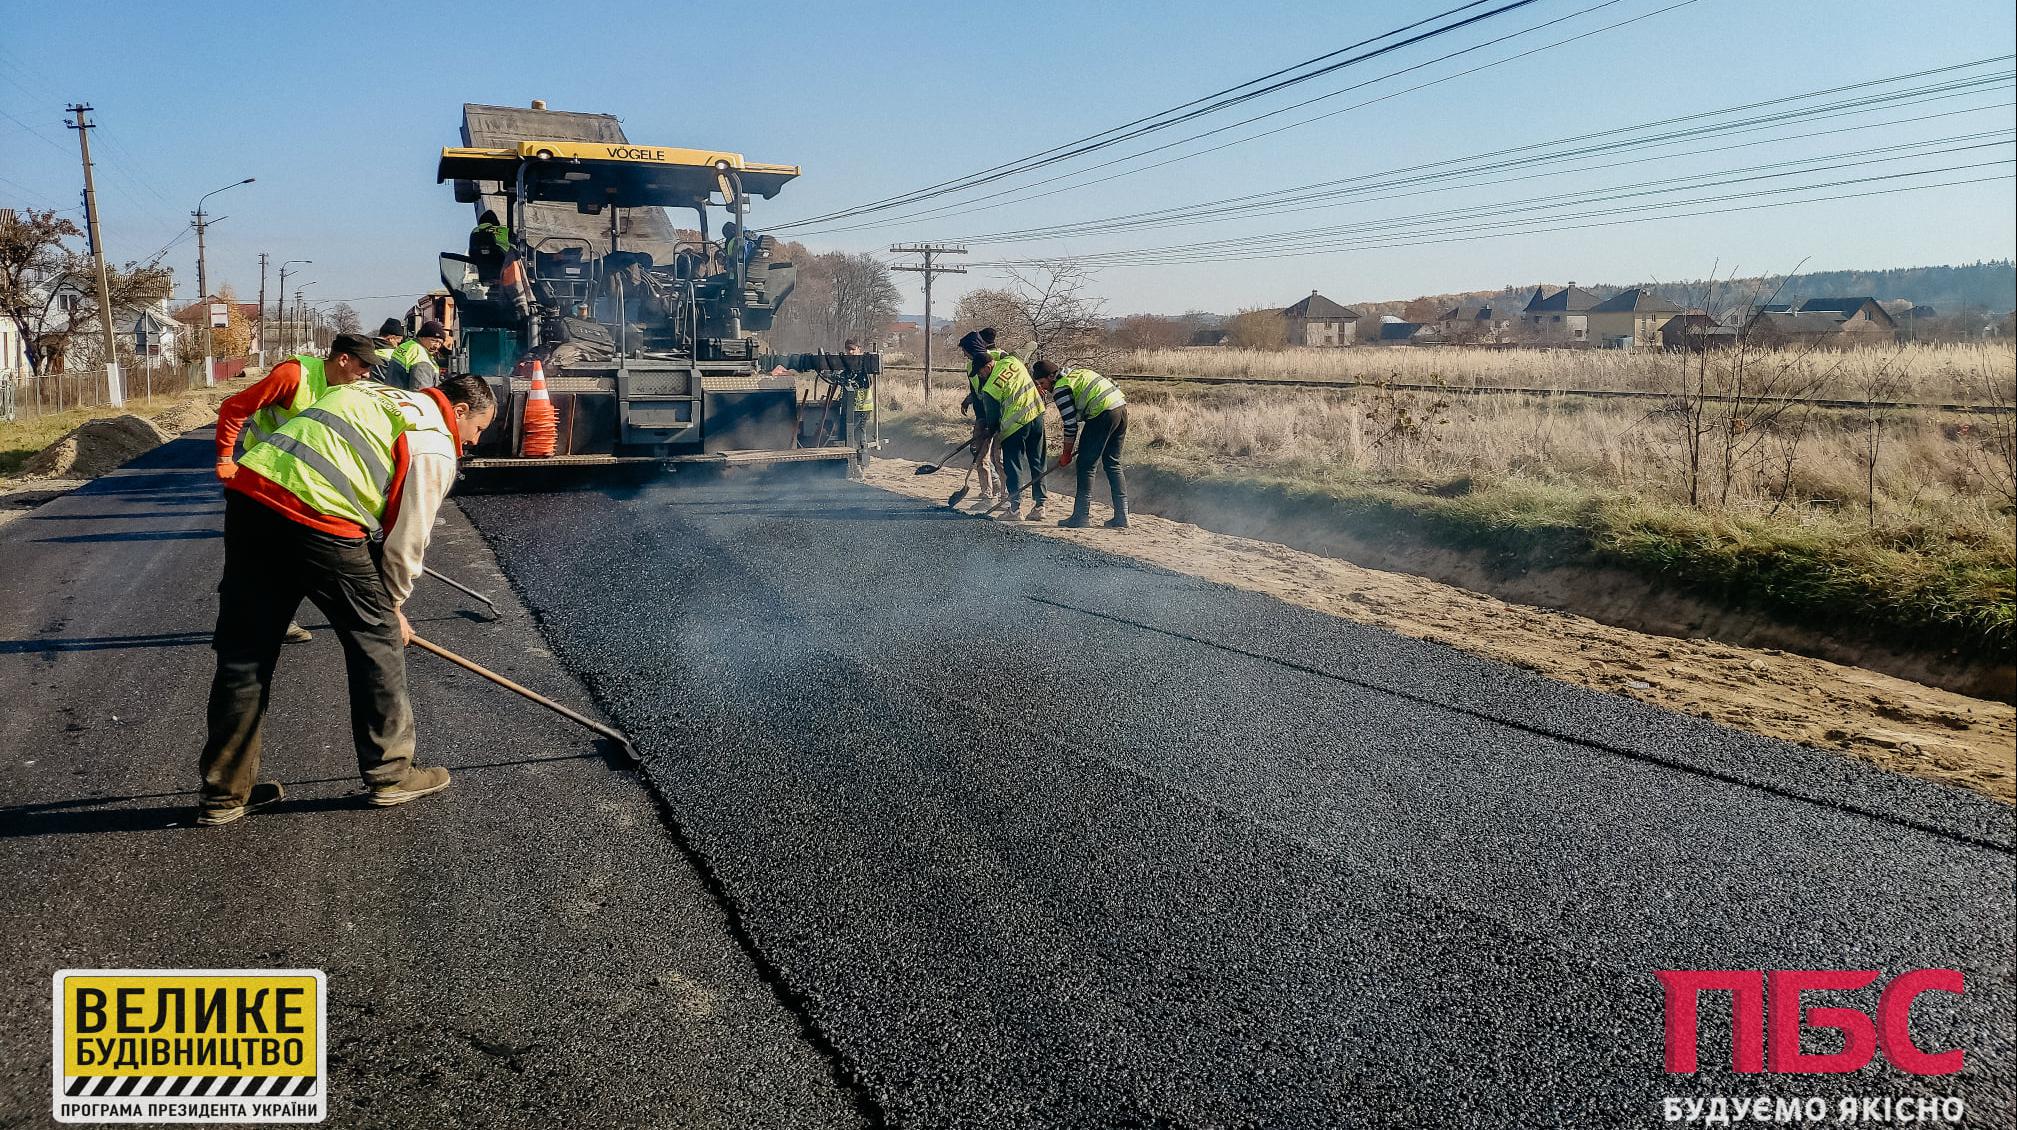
364 464
1007 404
1083 396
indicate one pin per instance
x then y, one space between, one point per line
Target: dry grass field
1925 373
1900 516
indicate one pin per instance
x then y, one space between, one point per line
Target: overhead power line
1512 227
1024 193
1451 173
1177 115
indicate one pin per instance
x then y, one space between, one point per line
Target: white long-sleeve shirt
430 473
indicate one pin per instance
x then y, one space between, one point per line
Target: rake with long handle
615 735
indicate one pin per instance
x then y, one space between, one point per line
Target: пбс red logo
1755 1013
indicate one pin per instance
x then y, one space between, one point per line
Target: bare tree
1989 439
1057 316
864 299
32 259
1258 328
1150 331
49 290
837 296
343 316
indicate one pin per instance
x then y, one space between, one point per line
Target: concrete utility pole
203 278
262 307
928 269
115 391
280 303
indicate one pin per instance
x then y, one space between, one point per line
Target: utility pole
203 279
928 269
262 307
280 303
115 392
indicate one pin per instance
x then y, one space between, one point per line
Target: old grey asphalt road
530 948
1045 839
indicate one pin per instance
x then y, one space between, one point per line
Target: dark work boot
1120 519
1079 519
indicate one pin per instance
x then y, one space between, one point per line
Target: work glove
1065 456
225 470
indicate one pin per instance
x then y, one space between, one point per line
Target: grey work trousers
270 563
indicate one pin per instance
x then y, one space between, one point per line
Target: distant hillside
1990 286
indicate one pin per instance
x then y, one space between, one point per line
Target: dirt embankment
1889 721
101 446
95 448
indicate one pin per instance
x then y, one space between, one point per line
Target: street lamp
280 307
203 277
301 316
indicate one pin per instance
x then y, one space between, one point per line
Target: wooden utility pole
115 391
928 269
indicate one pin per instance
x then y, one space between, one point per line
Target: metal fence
25 395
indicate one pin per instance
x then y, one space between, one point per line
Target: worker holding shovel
1083 395
1007 404
365 462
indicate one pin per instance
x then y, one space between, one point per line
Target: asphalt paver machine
647 336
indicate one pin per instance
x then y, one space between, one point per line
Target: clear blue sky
339 110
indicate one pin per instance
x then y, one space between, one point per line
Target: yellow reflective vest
337 455
1008 384
266 421
1091 393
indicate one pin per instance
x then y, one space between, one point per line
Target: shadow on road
91 814
103 643
138 535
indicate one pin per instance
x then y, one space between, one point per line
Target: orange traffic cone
540 430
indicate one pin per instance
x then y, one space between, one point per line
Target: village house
1831 322
1394 331
1694 331
1317 321
1630 319
1793 328
196 315
1472 321
1563 316
1863 317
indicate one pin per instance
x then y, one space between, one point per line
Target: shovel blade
927 469
958 496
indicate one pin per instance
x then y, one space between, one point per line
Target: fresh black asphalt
1038 837
530 948
985 830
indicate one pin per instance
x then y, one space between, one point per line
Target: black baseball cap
358 346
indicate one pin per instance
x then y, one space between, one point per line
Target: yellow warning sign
189 1045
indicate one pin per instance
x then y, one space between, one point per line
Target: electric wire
1270 203
1688 182
1024 193
1001 265
1174 116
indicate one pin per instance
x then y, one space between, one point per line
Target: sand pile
95 448
183 417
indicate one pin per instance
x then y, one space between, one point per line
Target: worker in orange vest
286 390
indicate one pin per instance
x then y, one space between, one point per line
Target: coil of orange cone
539 431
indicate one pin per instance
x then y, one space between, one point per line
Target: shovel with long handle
933 468
959 495
615 735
